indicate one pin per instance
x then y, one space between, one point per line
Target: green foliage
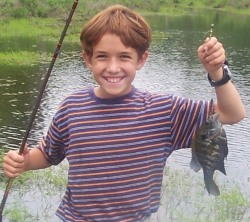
19 214
185 199
235 206
20 58
48 8
42 185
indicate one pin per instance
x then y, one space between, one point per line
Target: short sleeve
56 141
186 116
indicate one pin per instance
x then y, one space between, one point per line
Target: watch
225 78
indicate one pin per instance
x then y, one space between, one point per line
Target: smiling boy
114 66
115 137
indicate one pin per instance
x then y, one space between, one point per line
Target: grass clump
37 39
185 199
35 195
20 214
22 58
33 27
233 205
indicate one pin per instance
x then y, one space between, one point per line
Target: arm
15 164
229 105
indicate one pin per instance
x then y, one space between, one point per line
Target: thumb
25 154
206 40
25 150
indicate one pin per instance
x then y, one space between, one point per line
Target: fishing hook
38 101
209 33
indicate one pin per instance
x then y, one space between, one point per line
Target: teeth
114 80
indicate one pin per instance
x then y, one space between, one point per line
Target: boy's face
114 66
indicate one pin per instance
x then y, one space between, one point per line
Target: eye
125 56
203 136
101 56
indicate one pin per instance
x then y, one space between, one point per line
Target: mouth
114 80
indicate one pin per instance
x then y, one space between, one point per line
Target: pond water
172 67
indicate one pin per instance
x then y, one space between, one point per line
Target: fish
209 150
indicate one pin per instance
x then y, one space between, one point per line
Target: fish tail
211 186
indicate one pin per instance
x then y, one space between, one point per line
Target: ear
142 60
87 60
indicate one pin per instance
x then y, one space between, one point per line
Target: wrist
221 78
216 76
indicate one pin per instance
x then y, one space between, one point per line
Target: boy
115 137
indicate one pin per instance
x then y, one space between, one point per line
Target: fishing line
38 101
209 33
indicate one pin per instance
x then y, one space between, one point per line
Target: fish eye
203 136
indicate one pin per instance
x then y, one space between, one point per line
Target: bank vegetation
54 8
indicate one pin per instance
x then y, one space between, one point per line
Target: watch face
226 70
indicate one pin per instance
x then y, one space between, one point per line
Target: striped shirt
117 149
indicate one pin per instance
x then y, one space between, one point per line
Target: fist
212 55
14 164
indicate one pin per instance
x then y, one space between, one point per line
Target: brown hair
131 27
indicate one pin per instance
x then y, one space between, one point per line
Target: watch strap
225 78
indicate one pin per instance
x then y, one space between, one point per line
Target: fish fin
224 142
225 151
211 186
222 169
194 164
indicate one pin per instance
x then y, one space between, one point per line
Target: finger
218 56
206 40
209 44
14 156
11 172
12 168
13 162
26 149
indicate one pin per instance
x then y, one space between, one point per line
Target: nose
113 66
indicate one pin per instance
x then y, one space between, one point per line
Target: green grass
33 186
33 34
185 199
86 8
33 27
22 58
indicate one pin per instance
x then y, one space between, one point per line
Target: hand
212 55
15 164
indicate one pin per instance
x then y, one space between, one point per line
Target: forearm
36 160
229 105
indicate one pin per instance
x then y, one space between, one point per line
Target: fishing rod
38 101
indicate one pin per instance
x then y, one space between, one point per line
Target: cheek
97 69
